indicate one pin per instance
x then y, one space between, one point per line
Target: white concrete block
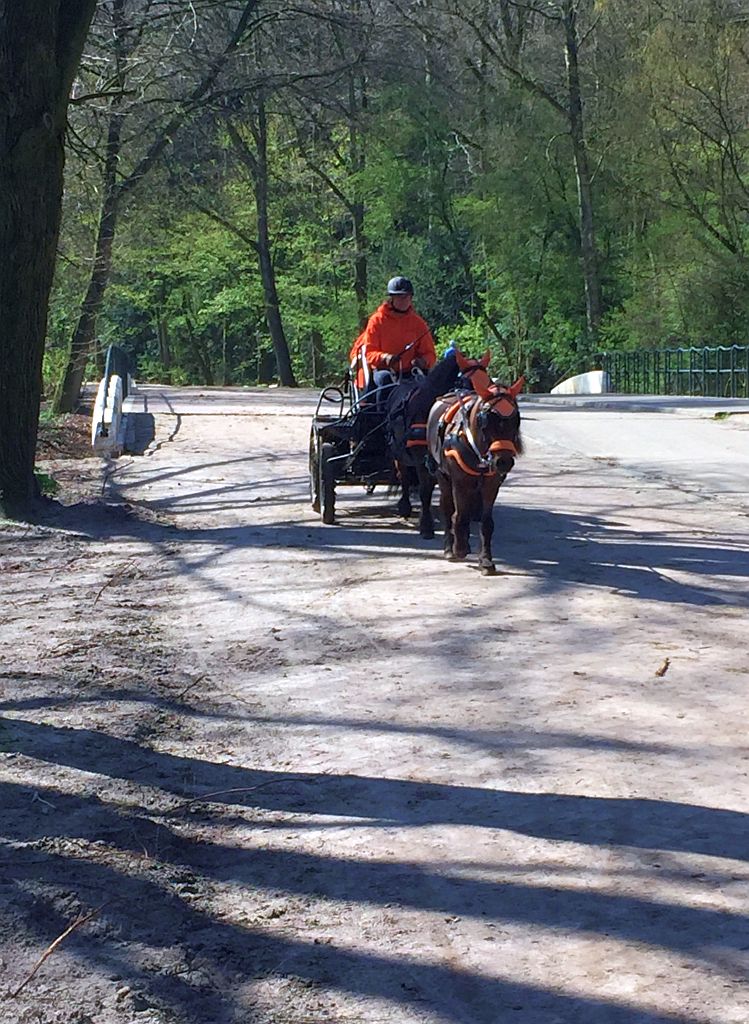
595 382
108 428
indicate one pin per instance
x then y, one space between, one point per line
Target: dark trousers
383 381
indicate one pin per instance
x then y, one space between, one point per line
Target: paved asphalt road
701 446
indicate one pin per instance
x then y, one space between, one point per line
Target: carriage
348 442
466 439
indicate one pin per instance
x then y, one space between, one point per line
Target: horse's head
498 426
496 415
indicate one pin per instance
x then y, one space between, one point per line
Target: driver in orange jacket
395 338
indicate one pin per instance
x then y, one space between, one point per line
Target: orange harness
461 434
418 438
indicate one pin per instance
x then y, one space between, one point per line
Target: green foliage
151 371
47 484
53 369
468 186
470 337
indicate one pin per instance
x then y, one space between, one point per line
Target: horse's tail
394 483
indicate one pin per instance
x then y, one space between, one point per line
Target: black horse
407 405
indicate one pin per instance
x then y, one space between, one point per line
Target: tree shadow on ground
562 549
157 871
215 960
478 739
557 550
595 821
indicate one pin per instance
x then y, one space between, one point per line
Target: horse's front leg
426 489
404 504
446 510
489 490
461 534
461 521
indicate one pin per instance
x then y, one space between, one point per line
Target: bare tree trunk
257 165
40 47
465 261
165 350
591 271
358 161
318 357
361 280
83 336
267 270
515 19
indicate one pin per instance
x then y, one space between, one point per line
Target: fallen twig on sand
252 789
121 572
62 651
189 686
78 923
36 799
664 667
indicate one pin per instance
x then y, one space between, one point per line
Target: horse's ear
461 360
517 387
485 359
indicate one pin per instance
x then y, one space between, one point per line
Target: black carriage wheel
314 472
327 484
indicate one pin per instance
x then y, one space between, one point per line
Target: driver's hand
420 363
390 360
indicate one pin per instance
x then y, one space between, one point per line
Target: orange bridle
460 424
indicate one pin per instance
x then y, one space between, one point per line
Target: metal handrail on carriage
344 445
358 403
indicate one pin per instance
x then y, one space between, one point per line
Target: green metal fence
720 372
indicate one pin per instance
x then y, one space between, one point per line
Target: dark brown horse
407 406
474 439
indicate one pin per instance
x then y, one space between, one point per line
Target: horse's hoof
452 557
404 511
489 570
426 534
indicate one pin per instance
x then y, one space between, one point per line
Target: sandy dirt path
304 773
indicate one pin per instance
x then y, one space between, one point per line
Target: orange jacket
388 333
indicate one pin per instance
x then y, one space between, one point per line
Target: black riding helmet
400 286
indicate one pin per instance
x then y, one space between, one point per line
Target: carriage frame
347 446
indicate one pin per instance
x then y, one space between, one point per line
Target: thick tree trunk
83 336
165 349
591 270
267 270
40 47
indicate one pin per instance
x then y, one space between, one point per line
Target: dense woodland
557 177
